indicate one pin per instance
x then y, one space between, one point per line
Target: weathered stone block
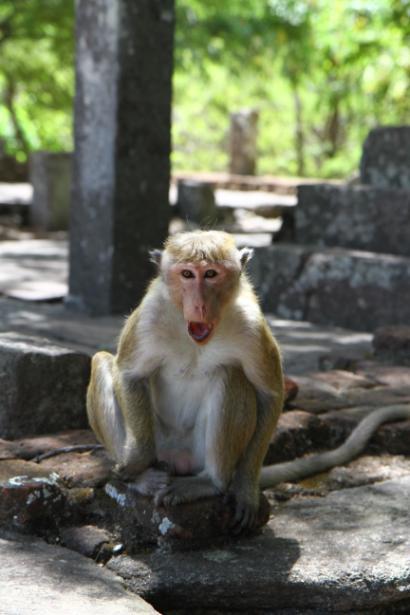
359 217
37 578
42 386
273 269
356 290
185 526
196 202
50 176
386 157
345 552
28 495
243 142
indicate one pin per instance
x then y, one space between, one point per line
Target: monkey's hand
246 506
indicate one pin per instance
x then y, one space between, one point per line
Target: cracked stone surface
337 541
354 289
330 554
42 578
357 217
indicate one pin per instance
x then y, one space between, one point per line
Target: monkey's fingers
244 518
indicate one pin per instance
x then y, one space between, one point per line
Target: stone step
359 217
333 286
42 386
305 561
42 578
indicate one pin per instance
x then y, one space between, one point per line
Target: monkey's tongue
199 331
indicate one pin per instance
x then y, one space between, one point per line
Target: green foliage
320 73
36 75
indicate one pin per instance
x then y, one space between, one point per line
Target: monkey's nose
201 311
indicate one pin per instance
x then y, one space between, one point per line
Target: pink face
201 290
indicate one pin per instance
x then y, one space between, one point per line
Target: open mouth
199 331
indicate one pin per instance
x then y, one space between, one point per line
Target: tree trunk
10 104
299 133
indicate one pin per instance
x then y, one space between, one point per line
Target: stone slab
42 386
37 578
386 157
52 320
34 269
357 217
333 286
15 193
346 551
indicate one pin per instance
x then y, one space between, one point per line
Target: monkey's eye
210 273
186 273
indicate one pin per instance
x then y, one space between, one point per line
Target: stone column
120 205
243 135
50 176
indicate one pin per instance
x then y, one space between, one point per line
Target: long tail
313 464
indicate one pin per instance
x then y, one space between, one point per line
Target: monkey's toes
150 482
169 496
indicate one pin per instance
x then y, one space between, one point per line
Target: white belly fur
187 397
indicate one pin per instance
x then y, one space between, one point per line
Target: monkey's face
201 290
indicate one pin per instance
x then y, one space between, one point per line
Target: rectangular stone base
42 386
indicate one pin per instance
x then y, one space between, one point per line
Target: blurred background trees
320 73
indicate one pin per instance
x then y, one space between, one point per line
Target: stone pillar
50 176
243 142
120 206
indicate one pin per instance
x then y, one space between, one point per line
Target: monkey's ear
155 257
245 256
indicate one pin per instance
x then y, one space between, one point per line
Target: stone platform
334 543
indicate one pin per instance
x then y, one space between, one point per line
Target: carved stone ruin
351 266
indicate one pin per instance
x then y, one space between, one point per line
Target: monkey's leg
120 415
245 485
230 424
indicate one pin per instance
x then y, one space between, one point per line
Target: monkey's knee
101 405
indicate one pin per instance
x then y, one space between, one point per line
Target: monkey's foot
150 482
185 489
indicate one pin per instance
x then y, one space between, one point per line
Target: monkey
196 386
188 405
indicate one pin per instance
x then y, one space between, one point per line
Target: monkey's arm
313 464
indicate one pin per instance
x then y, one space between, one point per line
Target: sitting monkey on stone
197 384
